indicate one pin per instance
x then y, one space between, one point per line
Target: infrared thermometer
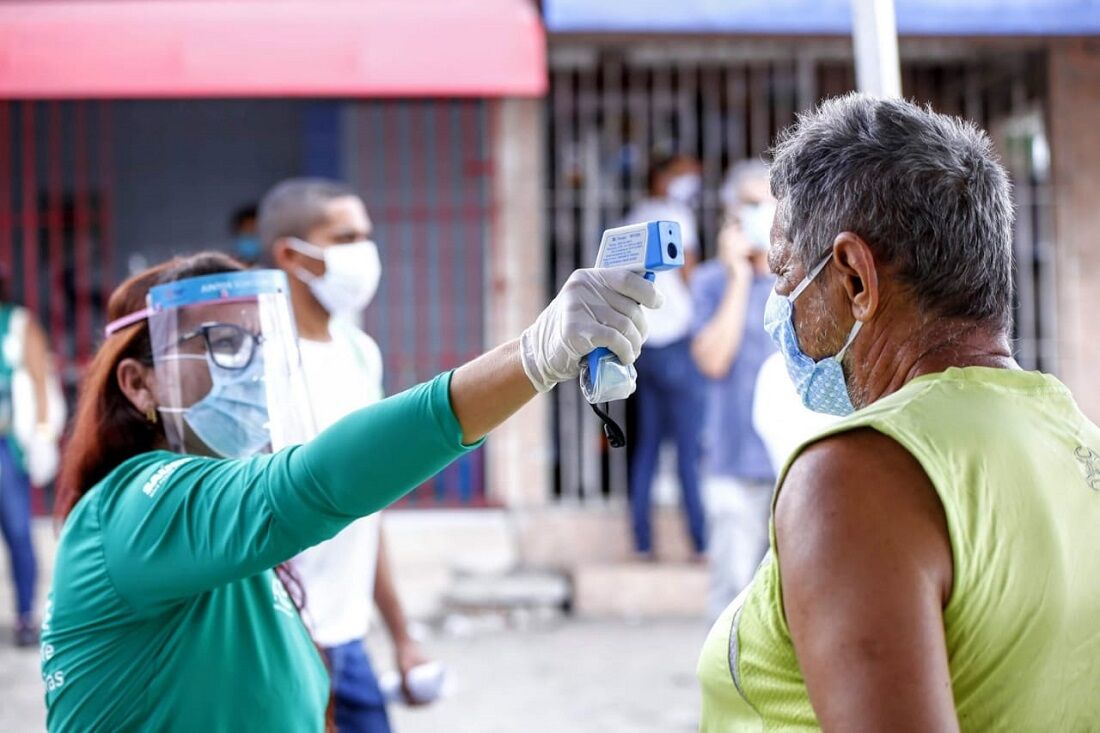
645 248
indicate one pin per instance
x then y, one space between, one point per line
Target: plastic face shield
228 370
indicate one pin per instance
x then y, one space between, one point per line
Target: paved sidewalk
555 675
582 677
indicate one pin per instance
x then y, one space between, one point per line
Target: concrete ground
584 677
534 675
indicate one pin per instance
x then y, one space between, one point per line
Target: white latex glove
41 457
594 308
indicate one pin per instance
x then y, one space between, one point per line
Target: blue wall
823 17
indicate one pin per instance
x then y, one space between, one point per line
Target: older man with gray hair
933 556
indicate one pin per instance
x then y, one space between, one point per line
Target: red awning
269 48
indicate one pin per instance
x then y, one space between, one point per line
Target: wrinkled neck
891 355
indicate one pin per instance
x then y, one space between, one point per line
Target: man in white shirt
318 232
669 394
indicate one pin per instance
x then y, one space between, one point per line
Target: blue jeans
15 525
669 405
360 707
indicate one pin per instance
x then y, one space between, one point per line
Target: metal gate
55 226
55 221
612 106
423 166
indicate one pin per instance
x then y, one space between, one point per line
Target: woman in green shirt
165 613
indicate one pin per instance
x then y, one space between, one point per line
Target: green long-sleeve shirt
164 612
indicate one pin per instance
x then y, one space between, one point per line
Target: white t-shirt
342 375
778 415
672 321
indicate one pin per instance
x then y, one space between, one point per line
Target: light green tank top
1016 466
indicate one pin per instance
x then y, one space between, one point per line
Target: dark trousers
360 707
669 405
15 525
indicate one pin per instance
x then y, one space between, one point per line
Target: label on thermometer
624 247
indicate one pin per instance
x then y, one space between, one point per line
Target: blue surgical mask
820 384
232 419
248 247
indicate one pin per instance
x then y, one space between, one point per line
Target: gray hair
924 190
295 206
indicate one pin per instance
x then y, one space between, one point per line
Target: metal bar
566 248
378 173
639 136
458 214
661 108
489 133
83 250
760 110
55 230
783 92
806 93
479 228
591 480
473 129
686 121
975 109
875 40
1023 244
448 233
710 84
445 176
29 206
106 197
612 105
1048 281
7 221
737 144
616 106
421 270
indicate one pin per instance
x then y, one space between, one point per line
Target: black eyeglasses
230 346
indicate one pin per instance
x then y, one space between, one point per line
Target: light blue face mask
232 419
820 384
248 247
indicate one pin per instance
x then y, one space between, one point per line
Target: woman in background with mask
669 400
730 292
164 612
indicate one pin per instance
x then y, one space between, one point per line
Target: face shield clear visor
229 380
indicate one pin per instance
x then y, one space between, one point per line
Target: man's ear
856 263
282 255
137 381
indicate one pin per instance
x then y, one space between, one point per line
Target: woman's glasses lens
230 346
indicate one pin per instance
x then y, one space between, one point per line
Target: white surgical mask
685 188
352 272
756 222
